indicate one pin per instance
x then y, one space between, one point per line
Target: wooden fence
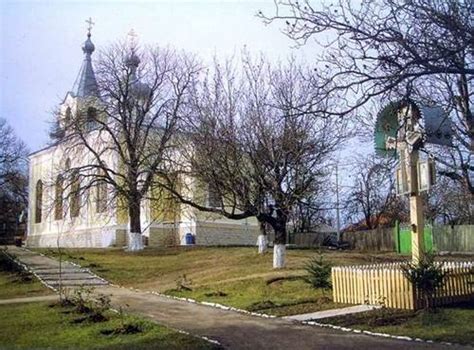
385 284
458 238
379 239
309 239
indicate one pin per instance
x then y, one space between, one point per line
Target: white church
55 219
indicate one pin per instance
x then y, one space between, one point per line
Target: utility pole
338 219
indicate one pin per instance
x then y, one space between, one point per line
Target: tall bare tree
123 138
391 48
313 209
372 194
256 141
13 177
13 155
448 203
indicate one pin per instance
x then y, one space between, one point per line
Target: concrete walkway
232 329
332 313
49 271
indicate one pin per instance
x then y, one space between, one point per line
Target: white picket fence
385 284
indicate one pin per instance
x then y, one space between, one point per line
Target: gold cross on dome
89 27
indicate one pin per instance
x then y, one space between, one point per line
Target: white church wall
187 217
89 229
89 238
226 232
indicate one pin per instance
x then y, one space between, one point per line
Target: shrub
81 299
426 276
319 273
183 283
94 307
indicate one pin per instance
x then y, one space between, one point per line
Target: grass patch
158 269
38 326
450 324
234 276
16 283
280 298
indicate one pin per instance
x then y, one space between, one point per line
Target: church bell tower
80 104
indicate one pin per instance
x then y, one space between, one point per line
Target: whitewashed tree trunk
279 252
135 242
262 244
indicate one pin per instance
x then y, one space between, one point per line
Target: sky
40 45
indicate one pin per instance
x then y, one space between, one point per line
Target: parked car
330 242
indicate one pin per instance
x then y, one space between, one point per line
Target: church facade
58 216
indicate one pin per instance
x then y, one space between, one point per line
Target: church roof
86 83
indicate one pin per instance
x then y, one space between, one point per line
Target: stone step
56 271
78 283
53 266
77 276
44 266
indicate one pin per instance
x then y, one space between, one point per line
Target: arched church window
67 164
58 198
75 195
39 201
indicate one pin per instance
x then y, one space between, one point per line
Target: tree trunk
262 240
279 248
279 252
135 240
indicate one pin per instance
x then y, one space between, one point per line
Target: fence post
396 232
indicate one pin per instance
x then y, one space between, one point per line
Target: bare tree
13 178
13 159
391 48
448 203
249 141
118 142
372 195
311 210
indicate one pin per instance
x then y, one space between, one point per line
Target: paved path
29 299
48 270
232 329
332 313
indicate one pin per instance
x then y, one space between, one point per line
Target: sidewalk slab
332 313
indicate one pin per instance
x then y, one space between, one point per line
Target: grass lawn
12 286
232 276
40 326
450 324
16 284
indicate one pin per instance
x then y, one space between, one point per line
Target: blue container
189 238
